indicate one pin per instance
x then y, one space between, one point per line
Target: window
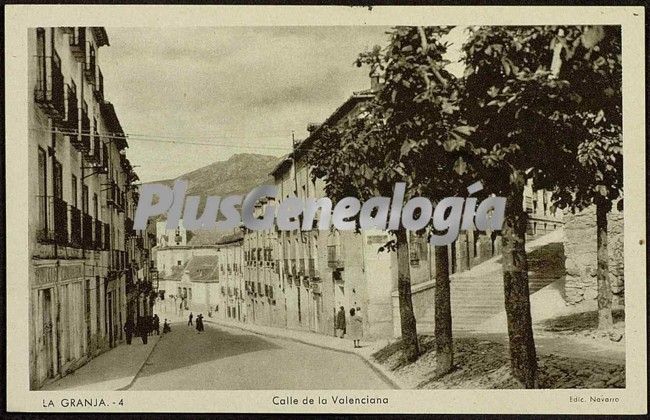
42 187
73 192
40 51
95 206
58 180
178 262
97 304
84 198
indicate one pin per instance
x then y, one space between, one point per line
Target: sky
231 89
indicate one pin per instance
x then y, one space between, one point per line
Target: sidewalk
113 370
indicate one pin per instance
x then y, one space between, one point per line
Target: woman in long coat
355 328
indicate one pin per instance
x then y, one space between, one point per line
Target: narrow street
224 358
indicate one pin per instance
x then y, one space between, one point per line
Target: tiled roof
177 272
203 268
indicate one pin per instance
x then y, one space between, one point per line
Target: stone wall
580 252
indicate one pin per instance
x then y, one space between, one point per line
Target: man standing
156 324
128 329
340 322
189 320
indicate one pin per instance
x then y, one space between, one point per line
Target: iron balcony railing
104 160
90 63
71 117
98 89
94 154
87 231
49 91
128 227
75 227
53 220
82 140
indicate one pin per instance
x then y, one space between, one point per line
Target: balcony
107 237
49 91
98 235
90 65
75 227
82 141
128 228
103 166
78 42
53 220
87 240
311 268
94 154
98 89
70 122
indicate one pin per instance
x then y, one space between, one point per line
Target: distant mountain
237 175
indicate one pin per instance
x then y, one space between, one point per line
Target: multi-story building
77 179
263 288
231 278
320 271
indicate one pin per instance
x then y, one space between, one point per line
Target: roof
336 116
231 238
177 272
113 124
100 35
203 268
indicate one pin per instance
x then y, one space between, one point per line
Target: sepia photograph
355 209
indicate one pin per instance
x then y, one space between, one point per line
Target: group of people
145 326
353 327
199 322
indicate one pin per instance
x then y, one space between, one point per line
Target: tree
409 132
588 58
515 107
553 123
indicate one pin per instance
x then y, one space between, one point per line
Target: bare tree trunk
523 360
407 317
444 344
605 321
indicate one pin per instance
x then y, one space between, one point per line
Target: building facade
78 178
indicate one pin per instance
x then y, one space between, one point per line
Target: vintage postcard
283 209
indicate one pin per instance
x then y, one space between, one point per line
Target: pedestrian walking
129 328
356 328
189 320
340 322
143 329
199 323
166 327
156 324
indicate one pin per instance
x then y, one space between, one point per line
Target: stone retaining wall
580 252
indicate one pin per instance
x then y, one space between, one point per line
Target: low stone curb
146 359
386 375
